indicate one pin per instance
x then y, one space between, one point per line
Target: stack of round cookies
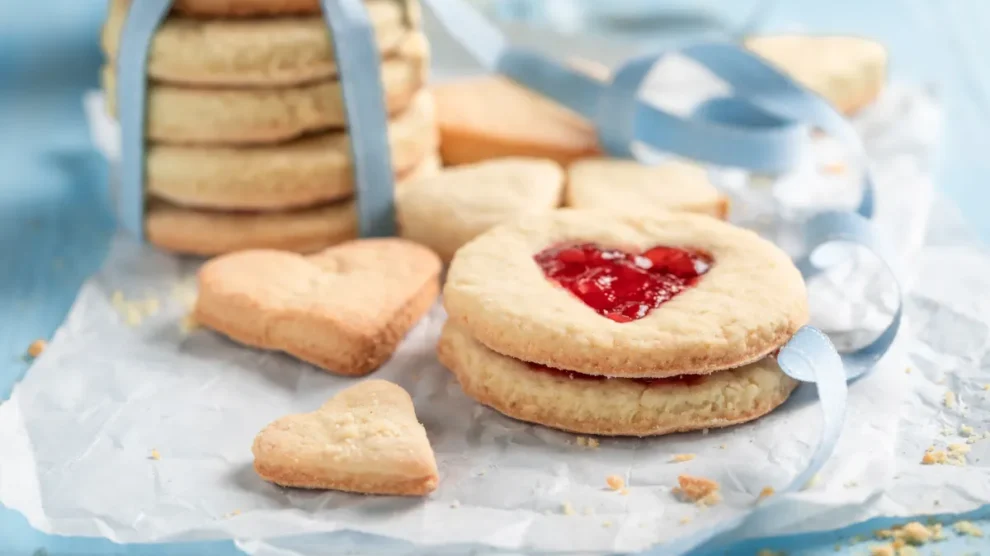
246 126
601 323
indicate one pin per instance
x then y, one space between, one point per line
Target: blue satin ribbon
356 54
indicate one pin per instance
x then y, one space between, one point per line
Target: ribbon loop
834 226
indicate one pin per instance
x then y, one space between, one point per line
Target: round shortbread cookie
254 52
613 406
200 232
445 211
302 173
245 8
847 71
251 116
750 301
628 186
492 117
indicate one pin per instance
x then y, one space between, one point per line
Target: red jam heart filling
684 380
618 285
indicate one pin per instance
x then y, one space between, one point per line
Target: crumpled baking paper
132 427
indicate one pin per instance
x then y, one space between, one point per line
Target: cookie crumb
685 520
587 441
721 446
700 490
37 347
229 515
967 528
624 491
986 386
678 458
614 482
188 323
881 534
882 550
606 524
965 430
766 492
567 508
155 455
455 504
950 400
907 551
812 481
834 169
907 370
959 448
934 457
916 533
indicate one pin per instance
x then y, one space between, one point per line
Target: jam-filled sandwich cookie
681 306
344 309
628 186
448 209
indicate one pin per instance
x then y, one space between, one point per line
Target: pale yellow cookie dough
254 116
628 186
365 439
344 309
847 71
749 303
208 232
301 173
257 52
447 210
614 406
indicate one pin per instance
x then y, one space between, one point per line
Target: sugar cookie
344 309
445 211
491 117
626 295
365 439
309 171
252 116
848 71
254 52
245 8
628 186
206 232
612 406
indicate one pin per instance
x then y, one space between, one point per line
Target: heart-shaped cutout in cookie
365 439
618 285
344 309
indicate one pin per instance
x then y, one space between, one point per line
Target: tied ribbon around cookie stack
357 57
759 128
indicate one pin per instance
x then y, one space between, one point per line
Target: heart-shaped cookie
344 309
365 439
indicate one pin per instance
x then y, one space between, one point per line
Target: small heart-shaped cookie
365 439
344 309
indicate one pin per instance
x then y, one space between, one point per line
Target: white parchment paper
132 428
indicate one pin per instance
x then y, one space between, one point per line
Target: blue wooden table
55 226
